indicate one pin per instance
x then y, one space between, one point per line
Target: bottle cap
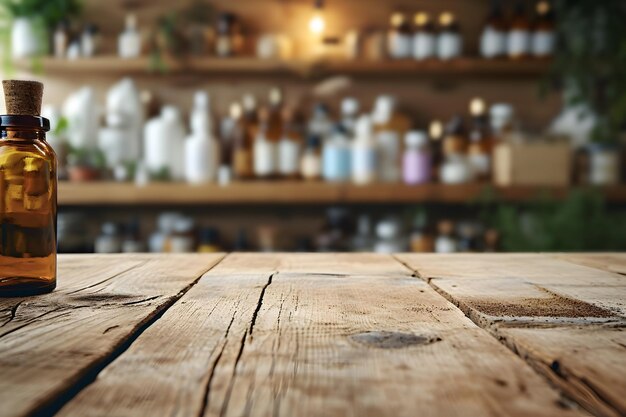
249 102
501 110
415 138
170 112
131 21
349 106
421 19
383 108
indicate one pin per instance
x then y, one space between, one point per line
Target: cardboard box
532 163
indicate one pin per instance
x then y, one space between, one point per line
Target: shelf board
112 65
298 192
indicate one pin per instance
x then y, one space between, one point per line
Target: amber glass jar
28 207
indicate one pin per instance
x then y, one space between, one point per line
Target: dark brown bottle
28 194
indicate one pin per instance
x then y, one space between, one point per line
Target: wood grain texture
612 262
49 343
318 335
300 192
564 318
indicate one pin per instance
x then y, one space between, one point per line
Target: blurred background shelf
112 65
296 192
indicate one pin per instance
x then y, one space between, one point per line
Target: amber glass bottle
28 195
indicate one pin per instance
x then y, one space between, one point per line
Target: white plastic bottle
265 154
129 42
201 148
349 114
364 153
387 139
424 38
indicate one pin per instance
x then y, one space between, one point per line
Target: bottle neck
23 134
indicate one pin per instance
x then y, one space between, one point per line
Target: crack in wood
90 374
34 319
574 389
109 278
130 303
242 344
13 313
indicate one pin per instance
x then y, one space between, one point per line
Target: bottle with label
349 114
480 142
89 40
336 155
416 161
290 145
28 190
320 124
182 238
364 153
424 38
201 148
494 36
244 133
455 168
173 133
399 38
389 127
501 117
61 39
435 139
265 150
518 39
446 241
275 116
129 42
543 36
449 40
311 163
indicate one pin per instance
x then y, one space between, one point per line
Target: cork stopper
23 97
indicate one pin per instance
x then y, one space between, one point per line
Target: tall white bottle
201 147
129 41
364 153
173 131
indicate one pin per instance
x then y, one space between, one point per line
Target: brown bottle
480 145
242 139
28 194
518 40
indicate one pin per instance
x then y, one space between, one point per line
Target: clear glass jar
28 207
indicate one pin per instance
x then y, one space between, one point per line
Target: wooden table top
320 335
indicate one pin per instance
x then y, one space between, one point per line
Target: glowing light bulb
317 23
477 107
435 130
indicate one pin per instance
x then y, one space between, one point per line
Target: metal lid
24 121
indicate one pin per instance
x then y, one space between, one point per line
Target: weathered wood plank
547 310
612 262
319 335
54 340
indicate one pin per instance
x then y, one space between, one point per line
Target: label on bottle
479 163
199 161
445 244
518 42
389 159
364 163
264 158
399 45
336 163
543 43
424 45
449 45
492 43
288 157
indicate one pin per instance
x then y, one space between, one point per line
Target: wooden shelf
297 192
112 65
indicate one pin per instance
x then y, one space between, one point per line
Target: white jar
288 157
424 45
492 43
25 41
455 170
449 45
265 155
518 42
364 153
542 43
